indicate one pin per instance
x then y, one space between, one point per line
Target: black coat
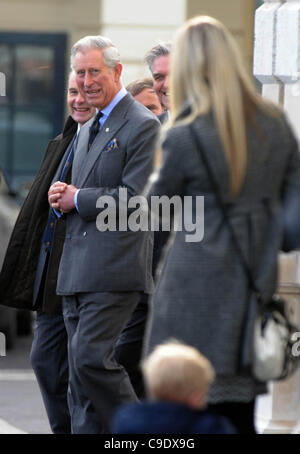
19 267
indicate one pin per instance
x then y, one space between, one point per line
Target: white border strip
7 429
17 375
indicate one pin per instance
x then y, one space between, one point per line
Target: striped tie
94 129
49 230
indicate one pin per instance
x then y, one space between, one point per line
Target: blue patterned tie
52 218
69 161
94 129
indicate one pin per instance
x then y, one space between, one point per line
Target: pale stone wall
276 65
133 25
237 15
136 26
72 17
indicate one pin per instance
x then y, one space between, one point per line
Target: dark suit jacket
163 117
19 267
110 261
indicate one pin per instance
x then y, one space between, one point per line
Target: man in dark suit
50 337
158 59
102 274
29 273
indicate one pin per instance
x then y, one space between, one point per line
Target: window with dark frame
32 110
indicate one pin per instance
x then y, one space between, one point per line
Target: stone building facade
133 25
277 66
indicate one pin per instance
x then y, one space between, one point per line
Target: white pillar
277 66
136 26
265 48
287 61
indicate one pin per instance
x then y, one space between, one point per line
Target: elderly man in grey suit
102 273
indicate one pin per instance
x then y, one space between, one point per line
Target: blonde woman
203 294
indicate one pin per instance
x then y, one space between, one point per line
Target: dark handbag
268 334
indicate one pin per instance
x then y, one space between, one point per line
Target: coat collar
116 120
70 127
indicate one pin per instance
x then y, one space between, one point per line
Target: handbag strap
218 195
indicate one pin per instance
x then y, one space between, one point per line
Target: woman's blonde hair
208 75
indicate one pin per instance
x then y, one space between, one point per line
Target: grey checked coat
202 294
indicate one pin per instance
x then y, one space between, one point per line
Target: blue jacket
168 418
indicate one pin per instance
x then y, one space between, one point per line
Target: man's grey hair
137 86
159 50
111 56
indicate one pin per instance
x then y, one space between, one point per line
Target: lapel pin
107 130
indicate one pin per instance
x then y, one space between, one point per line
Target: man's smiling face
79 109
98 82
161 71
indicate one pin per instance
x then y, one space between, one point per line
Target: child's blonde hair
173 371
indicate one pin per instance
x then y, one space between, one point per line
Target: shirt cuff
75 199
57 213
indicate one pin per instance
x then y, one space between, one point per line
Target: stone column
265 49
136 26
276 65
287 58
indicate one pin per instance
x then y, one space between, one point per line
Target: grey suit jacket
94 261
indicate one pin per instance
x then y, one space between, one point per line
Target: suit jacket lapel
62 162
62 145
115 121
81 151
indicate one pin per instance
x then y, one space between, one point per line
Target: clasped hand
61 196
